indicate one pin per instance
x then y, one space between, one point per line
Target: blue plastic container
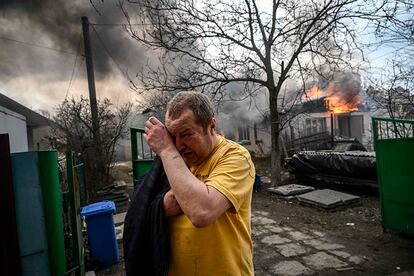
101 231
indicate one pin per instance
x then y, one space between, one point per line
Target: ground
292 239
351 240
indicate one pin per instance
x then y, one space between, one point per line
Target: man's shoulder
227 145
225 150
229 150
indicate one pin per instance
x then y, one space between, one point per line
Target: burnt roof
314 106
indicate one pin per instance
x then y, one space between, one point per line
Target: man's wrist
170 154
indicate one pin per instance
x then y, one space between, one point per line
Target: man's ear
212 128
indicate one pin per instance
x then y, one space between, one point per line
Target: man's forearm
185 186
202 204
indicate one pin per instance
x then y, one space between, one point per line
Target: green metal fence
75 180
52 201
142 155
394 148
30 215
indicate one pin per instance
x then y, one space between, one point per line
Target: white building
27 129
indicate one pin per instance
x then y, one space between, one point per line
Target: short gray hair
197 102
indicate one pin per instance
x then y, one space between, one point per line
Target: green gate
394 148
142 156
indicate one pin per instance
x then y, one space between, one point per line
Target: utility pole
91 80
95 166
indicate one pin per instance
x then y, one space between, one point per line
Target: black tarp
350 164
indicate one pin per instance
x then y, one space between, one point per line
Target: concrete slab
297 235
319 234
323 245
261 213
259 220
328 199
291 268
342 254
274 239
356 260
259 230
292 249
322 260
273 229
291 189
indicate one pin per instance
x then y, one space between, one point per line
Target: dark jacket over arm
145 240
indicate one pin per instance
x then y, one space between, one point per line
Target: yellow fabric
225 246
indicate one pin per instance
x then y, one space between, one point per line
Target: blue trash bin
101 231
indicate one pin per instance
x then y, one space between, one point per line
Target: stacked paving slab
307 195
116 192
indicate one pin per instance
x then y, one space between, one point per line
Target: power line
74 66
37 45
120 24
109 54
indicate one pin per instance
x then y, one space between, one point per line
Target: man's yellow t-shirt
225 246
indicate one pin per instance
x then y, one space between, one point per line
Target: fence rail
387 128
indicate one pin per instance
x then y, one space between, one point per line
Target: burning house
326 118
330 118
333 119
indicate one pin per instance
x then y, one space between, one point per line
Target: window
244 133
315 125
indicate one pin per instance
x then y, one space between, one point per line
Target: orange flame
335 101
337 104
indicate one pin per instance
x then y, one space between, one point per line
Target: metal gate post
74 203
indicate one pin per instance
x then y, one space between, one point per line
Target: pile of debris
116 192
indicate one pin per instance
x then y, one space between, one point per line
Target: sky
41 52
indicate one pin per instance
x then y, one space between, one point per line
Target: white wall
299 125
367 135
15 125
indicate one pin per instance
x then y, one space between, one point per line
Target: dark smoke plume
60 22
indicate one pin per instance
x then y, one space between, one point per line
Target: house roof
314 106
318 106
33 119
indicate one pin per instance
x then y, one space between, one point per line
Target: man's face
192 141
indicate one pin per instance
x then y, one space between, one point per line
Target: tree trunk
275 167
96 174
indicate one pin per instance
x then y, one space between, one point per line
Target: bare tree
392 88
392 91
208 44
72 130
154 103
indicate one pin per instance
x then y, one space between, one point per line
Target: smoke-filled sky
41 51
40 41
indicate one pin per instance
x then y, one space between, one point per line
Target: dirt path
346 242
